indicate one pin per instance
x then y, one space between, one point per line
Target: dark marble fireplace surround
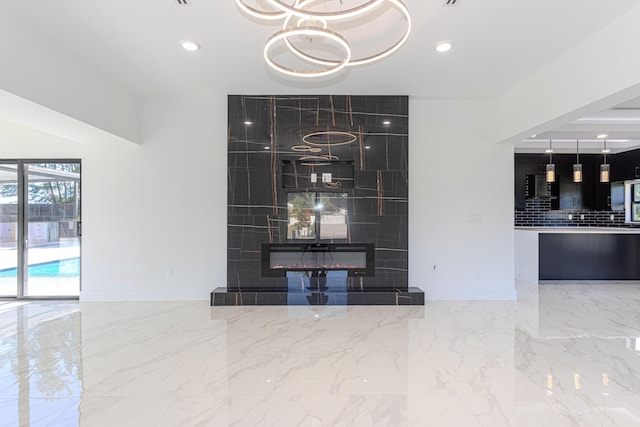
275 144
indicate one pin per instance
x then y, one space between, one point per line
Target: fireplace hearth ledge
224 297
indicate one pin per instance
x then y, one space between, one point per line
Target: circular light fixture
311 22
311 17
260 14
602 135
190 45
298 10
351 138
306 148
443 46
358 61
309 32
324 157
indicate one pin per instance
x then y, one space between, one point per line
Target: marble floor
562 355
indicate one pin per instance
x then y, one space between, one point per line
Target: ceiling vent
183 2
451 2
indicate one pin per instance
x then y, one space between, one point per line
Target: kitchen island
577 253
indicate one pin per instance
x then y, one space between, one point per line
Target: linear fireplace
358 260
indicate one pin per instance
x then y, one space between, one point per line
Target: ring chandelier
300 19
306 148
323 157
349 138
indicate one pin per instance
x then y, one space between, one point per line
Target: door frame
23 224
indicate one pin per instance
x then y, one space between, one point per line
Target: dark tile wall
537 213
257 196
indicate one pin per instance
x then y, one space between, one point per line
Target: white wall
461 179
163 204
596 74
460 202
34 68
151 207
165 207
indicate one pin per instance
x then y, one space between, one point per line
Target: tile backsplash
538 213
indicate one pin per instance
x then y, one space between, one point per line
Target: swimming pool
60 268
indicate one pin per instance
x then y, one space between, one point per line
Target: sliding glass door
45 248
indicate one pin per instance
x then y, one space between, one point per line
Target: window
316 215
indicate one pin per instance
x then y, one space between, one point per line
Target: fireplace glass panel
333 215
316 260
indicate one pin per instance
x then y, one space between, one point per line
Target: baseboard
205 295
470 294
146 295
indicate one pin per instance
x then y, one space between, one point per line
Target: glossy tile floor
562 355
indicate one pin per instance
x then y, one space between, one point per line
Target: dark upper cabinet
526 168
603 196
530 180
570 194
564 193
625 166
576 195
590 194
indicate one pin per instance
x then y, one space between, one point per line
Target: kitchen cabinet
565 194
617 196
603 256
530 181
579 195
603 196
570 194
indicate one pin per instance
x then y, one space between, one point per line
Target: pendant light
551 168
605 168
577 168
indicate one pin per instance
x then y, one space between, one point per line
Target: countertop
601 230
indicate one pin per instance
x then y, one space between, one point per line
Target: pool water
60 268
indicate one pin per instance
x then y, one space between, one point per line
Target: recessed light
549 150
443 46
267 148
605 150
248 123
602 135
191 46
366 147
533 136
386 122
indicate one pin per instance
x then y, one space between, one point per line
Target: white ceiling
621 124
498 43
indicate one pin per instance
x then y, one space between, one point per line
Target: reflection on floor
562 355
